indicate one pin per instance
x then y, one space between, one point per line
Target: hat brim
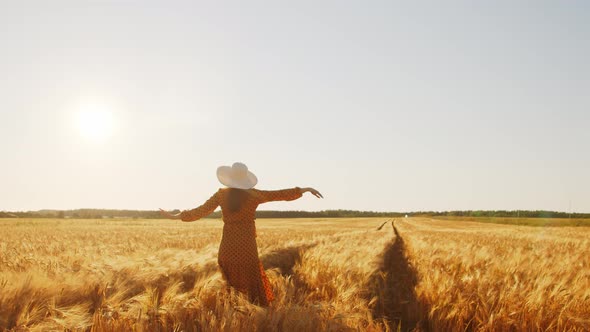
226 176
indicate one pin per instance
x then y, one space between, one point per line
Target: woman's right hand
169 215
312 191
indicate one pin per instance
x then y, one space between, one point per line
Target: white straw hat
236 176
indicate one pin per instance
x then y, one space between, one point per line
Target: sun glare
95 123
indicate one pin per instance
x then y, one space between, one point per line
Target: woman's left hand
169 215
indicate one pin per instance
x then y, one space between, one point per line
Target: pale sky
380 105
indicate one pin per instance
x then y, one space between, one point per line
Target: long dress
238 251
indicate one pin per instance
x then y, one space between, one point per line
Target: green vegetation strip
539 222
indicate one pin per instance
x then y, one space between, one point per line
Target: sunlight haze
380 105
95 122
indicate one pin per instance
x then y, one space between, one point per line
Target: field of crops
541 222
327 274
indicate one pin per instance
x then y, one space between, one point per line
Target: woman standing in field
238 252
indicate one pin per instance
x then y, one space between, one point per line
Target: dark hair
235 198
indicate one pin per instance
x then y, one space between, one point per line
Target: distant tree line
151 214
85 214
508 214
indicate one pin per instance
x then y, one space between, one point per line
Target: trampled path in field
393 285
390 287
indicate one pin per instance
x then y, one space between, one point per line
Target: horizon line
317 211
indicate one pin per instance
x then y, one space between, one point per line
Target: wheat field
357 274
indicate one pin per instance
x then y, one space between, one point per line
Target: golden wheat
328 274
490 277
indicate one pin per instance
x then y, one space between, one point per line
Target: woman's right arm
285 194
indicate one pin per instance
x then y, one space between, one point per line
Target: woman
238 252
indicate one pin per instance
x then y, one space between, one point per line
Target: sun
95 123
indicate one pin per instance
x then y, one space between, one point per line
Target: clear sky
380 105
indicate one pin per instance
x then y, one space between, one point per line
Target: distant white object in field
406 215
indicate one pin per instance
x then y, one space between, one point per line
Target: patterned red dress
238 252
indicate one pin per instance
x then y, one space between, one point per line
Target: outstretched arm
285 194
195 214
312 191
169 215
